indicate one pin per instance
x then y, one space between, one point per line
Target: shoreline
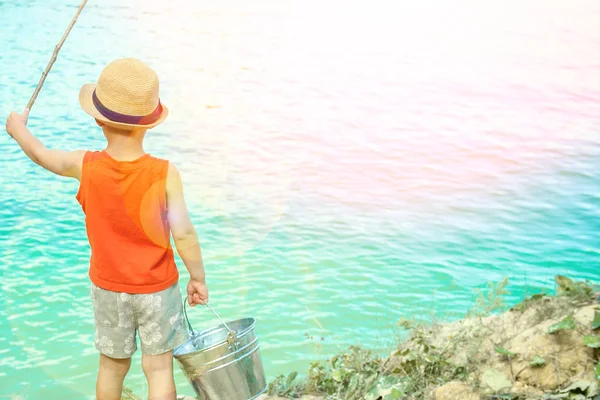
545 347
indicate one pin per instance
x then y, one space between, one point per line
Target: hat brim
87 103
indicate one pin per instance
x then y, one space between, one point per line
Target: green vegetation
596 321
566 324
352 375
577 390
491 301
528 302
287 386
592 341
537 361
504 352
579 291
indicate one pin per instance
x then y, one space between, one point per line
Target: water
345 164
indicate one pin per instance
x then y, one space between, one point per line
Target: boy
132 202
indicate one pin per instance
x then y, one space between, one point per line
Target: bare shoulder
78 155
74 163
173 173
174 184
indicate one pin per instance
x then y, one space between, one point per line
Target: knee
117 366
157 364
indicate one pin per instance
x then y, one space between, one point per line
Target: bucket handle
232 339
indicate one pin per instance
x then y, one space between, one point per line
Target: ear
99 123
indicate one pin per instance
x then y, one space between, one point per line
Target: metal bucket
223 362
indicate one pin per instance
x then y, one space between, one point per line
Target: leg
159 373
161 328
114 339
111 374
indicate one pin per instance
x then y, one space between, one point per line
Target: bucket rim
236 360
247 348
213 329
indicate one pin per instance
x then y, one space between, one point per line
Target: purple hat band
124 118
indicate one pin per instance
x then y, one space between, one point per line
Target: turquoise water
345 165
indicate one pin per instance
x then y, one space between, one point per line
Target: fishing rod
54 56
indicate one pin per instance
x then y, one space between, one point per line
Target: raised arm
185 238
64 163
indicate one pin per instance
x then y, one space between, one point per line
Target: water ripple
339 180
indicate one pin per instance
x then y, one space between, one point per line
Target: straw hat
126 96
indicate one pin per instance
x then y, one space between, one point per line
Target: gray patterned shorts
158 317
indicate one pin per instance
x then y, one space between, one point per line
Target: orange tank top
125 206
